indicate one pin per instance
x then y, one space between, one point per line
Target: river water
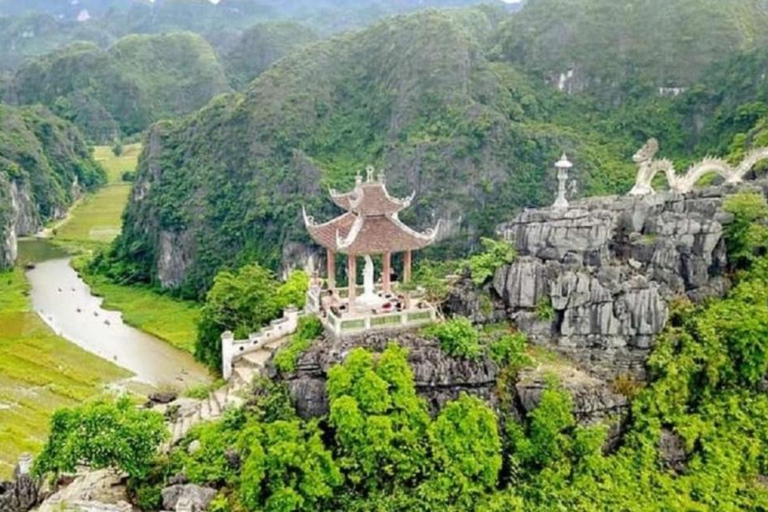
65 303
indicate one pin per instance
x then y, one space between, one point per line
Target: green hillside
138 80
414 95
44 166
260 46
619 50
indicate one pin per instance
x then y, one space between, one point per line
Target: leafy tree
747 235
458 338
310 327
103 434
242 302
380 423
287 468
293 292
466 448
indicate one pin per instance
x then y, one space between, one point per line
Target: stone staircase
246 368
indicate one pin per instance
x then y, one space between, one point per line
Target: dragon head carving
647 152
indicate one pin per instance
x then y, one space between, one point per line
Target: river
65 303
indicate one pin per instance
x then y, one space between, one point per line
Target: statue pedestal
369 301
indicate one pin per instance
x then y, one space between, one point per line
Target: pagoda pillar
331 269
352 278
386 272
408 260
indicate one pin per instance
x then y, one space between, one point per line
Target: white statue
648 167
369 298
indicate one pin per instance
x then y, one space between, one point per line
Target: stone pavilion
369 228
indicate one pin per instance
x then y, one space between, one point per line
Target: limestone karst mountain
138 80
44 166
624 50
31 29
260 46
414 95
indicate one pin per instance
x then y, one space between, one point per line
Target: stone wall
593 281
231 349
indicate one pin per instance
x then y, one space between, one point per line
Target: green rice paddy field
39 373
97 221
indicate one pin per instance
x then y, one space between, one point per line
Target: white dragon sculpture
647 168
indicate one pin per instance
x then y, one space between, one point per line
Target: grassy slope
39 373
97 217
96 220
164 317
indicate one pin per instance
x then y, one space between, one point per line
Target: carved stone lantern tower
563 165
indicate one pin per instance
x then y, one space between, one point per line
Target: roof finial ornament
370 171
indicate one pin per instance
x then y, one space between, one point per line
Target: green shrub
747 235
310 327
509 350
495 254
458 338
544 310
103 434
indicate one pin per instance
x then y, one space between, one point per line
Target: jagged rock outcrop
92 491
593 281
21 494
187 498
440 378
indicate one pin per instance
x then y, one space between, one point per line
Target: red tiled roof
370 225
368 235
370 198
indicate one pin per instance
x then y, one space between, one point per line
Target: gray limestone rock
188 497
93 491
608 266
438 377
21 494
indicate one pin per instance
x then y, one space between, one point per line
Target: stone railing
344 326
231 348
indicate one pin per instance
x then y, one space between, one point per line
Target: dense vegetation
379 449
260 46
44 166
138 80
242 302
628 50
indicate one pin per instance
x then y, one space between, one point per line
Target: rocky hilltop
594 281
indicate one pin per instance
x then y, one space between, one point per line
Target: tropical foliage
103 434
242 302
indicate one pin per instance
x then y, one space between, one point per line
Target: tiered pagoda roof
370 224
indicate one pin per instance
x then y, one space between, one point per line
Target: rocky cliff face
593 281
440 378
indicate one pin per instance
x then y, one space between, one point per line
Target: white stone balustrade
231 348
